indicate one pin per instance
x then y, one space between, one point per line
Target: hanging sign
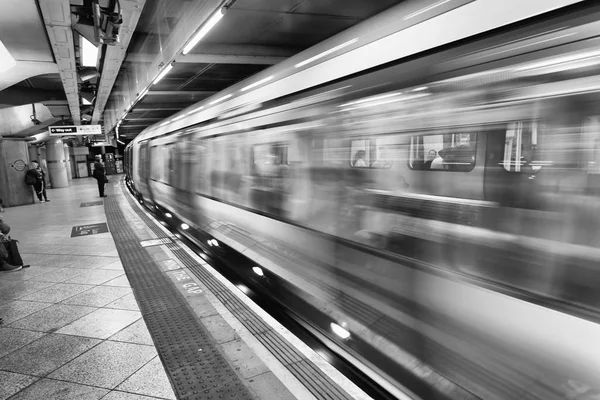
75 130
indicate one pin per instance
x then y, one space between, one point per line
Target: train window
155 165
444 152
269 154
380 150
520 148
360 152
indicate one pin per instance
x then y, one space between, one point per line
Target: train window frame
410 161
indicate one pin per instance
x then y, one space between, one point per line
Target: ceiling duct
19 95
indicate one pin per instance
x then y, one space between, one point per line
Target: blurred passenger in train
437 162
100 175
359 159
383 160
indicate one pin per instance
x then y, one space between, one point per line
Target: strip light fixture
163 73
213 20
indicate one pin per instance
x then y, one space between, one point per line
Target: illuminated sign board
75 130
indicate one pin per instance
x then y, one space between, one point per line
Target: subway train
443 208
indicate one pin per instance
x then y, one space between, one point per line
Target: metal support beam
57 18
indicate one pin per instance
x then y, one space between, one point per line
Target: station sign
75 130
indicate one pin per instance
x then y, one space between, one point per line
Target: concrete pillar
57 168
33 153
67 151
14 163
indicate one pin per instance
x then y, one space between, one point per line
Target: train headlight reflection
185 226
258 271
338 330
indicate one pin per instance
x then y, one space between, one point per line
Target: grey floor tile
57 260
12 383
59 390
57 292
268 386
117 395
16 290
98 296
43 356
16 309
59 274
121 281
33 272
134 333
151 380
106 365
102 323
116 265
52 318
93 262
14 339
125 303
95 277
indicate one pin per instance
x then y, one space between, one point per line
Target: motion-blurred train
443 208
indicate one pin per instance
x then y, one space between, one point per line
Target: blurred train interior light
220 99
258 271
244 289
163 73
428 8
185 226
216 17
338 330
323 54
168 215
255 84
419 89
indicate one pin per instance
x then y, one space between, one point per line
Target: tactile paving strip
196 368
315 380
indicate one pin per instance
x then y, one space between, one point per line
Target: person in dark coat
100 175
39 181
5 265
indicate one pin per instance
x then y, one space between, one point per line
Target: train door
144 172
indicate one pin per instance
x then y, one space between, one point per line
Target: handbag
14 257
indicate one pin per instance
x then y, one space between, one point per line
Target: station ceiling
252 36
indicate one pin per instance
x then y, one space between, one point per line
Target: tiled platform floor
72 328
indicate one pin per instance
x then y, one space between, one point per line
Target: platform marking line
340 379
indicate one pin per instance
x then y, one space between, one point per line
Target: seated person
359 159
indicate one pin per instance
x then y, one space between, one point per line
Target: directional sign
91 203
75 130
92 229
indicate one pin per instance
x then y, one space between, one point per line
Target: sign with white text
75 130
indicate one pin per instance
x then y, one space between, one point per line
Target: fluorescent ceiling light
89 53
178 118
168 215
123 143
162 74
194 110
255 84
220 99
323 54
420 88
421 11
84 101
185 226
216 17
258 271
6 60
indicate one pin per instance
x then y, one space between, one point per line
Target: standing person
100 175
37 177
